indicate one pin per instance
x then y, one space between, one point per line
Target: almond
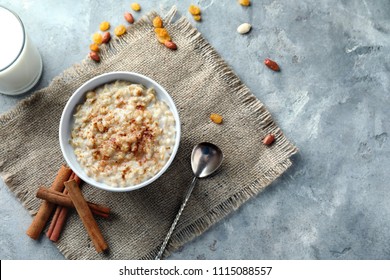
269 139
272 64
129 17
106 37
94 56
170 45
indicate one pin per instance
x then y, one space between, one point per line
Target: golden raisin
120 30
197 17
244 2
135 6
94 47
161 32
105 25
157 22
162 35
194 10
163 39
216 118
97 38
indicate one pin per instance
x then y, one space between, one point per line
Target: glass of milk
20 61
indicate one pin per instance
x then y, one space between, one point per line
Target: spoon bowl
206 158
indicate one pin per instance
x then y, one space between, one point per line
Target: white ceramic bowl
78 97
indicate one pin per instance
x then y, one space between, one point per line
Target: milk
20 61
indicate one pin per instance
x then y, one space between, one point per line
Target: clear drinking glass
20 61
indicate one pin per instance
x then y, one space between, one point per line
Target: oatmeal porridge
123 135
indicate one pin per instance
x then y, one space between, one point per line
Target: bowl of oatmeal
119 131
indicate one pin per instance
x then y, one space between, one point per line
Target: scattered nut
135 7
216 118
105 25
120 30
170 45
244 28
244 2
106 37
157 22
94 47
97 38
94 56
271 64
269 139
129 17
194 10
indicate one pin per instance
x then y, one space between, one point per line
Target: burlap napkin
200 83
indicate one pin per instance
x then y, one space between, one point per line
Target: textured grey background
331 99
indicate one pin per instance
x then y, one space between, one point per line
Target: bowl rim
67 116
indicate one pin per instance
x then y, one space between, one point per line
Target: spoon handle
162 249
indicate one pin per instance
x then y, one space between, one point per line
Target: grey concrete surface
331 99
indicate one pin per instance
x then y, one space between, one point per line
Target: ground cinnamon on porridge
123 135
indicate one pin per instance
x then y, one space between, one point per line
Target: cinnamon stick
59 218
65 201
46 207
86 216
63 214
54 221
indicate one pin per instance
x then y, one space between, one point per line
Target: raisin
105 25
197 17
94 47
157 22
97 38
120 30
135 7
244 2
194 10
216 118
